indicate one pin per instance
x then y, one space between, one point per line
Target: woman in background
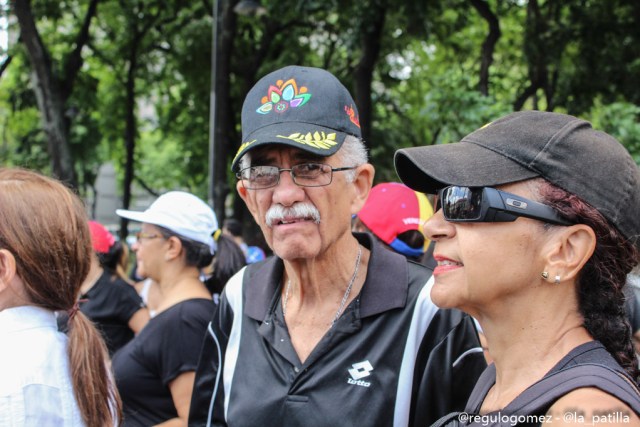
229 259
155 371
47 377
112 304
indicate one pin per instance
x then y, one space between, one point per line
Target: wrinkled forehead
277 154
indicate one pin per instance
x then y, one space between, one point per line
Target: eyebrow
261 158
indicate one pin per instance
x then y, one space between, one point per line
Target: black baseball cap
303 107
562 149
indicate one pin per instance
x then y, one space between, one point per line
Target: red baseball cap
393 208
101 239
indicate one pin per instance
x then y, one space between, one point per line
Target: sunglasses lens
461 203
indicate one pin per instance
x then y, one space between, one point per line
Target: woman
111 303
537 230
47 377
155 371
229 259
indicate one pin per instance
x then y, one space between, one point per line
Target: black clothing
609 380
110 304
391 352
168 346
632 306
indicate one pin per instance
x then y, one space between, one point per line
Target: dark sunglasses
486 204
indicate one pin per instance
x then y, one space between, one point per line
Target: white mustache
299 210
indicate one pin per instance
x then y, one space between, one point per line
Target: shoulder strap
541 395
450 420
485 382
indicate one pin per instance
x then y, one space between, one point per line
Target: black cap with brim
428 169
302 107
562 149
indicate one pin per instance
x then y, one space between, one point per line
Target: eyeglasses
303 175
486 204
140 235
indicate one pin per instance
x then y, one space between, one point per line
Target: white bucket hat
181 212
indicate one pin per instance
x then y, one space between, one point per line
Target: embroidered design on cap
320 140
282 96
242 147
351 112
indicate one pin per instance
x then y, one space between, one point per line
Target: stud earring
557 279
545 275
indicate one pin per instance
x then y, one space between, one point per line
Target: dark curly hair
601 282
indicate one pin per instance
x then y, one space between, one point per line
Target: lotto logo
358 371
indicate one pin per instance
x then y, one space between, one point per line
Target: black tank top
588 365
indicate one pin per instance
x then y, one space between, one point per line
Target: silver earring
545 275
557 279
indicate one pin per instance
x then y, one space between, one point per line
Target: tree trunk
489 44
130 130
48 91
372 30
224 121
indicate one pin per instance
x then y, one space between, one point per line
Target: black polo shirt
392 359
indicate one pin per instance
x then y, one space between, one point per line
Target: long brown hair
44 225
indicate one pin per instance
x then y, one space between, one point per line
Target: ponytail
91 374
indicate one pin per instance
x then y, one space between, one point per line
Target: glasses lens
461 203
311 174
261 176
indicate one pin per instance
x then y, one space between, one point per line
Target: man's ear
569 251
362 185
249 201
7 268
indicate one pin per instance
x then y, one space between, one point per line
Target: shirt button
296 369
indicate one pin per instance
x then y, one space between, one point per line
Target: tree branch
5 64
74 60
146 187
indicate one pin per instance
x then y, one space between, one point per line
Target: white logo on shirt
358 371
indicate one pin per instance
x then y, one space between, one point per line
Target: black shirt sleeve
183 341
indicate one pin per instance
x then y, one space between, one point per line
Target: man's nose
287 192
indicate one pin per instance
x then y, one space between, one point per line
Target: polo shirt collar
386 286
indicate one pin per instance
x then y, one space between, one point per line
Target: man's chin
290 250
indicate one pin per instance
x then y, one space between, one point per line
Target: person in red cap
394 213
113 305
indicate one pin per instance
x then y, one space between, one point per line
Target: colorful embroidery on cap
242 147
282 96
316 139
351 112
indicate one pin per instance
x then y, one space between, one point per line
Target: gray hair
352 153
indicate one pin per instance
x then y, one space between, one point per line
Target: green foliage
432 104
424 91
621 120
22 142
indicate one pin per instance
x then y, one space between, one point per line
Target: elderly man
333 330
